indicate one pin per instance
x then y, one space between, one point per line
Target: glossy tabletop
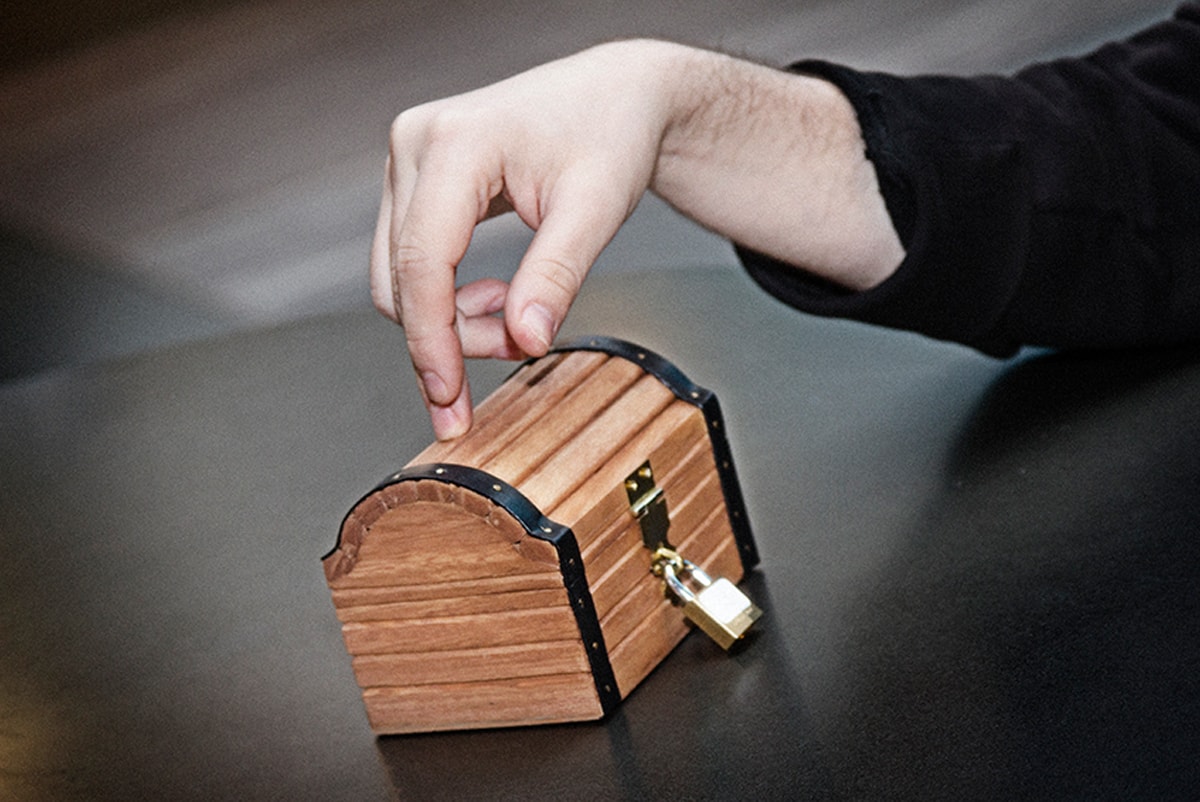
980 577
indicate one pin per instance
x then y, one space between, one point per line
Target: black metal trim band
686 390
654 364
537 525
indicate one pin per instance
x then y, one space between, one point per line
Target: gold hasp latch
649 506
717 606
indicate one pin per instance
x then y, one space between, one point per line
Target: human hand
570 147
772 160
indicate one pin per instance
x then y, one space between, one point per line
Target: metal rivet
497 488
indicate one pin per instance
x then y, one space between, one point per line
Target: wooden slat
561 422
642 601
478 586
452 706
473 604
653 639
502 628
471 665
575 460
602 496
513 407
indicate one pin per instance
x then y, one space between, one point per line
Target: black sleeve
1057 207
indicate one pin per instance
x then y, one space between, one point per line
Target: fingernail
447 423
540 323
435 388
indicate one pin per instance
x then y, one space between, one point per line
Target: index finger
430 237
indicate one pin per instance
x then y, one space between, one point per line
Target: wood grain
472 665
514 407
469 705
562 422
352 596
445 633
595 444
457 605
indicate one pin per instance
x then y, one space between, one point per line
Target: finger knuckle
409 121
409 259
432 126
565 278
420 338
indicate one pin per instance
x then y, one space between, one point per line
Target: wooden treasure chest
536 569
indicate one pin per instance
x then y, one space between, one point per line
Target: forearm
775 162
1056 207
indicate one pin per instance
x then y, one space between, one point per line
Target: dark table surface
980 577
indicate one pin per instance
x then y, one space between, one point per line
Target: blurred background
176 170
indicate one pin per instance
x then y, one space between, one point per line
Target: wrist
776 162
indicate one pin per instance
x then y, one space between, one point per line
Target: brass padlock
720 609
